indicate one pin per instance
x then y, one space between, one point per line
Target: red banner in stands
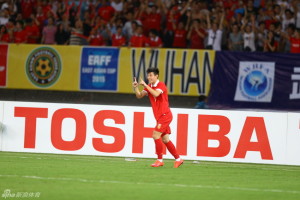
3 64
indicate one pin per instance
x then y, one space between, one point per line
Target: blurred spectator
270 44
10 5
27 8
249 34
235 42
277 36
118 39
277 12
150 16
33 32
60 11
41 17
46 7
62 35
261 35
294 41
202 102
138 39
250 10
10 24
196 35
288 18
112 27
198 10
130 25
180 35
296 8
173 16
4 16
261 16
87 24
77 37
240 8
285 40
95 38
20 35
106 11
215 31
49 32
154 40
4 36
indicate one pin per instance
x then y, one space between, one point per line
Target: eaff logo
252 126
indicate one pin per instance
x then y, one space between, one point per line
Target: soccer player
158 96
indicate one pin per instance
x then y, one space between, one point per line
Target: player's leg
159 149
172 149
170 146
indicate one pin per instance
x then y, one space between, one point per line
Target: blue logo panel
99 69
255 81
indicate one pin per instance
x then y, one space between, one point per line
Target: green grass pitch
93 177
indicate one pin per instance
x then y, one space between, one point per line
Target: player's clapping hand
135 83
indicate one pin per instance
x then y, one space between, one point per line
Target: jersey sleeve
145 90
161 87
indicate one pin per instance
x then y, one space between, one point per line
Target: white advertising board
215 135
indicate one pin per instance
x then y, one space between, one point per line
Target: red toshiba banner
233 136
3 64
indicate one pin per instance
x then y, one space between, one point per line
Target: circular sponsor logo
255 83
43 66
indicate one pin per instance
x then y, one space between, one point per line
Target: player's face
152 78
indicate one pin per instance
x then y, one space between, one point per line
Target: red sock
159 148
171 148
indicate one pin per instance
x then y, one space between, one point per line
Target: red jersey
295 45
275 45
118 40
268 22
138 41
47 8
96 40
5 38
197 41
27 8
176 17
106 12
20 36
160 104
180 38
33 33
151 21
154 42
41 18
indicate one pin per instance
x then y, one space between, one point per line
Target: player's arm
139 94
155 93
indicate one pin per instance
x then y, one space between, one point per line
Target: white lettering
98 79
87 70
99 60
296 82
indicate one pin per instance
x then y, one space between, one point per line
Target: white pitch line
117 159
157 184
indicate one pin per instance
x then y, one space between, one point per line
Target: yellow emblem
158 126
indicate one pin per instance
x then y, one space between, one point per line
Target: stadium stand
247 25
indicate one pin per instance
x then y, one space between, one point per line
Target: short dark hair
153 31
154 70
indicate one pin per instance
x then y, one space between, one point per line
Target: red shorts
163 124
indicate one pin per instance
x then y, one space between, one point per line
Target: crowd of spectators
235 25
